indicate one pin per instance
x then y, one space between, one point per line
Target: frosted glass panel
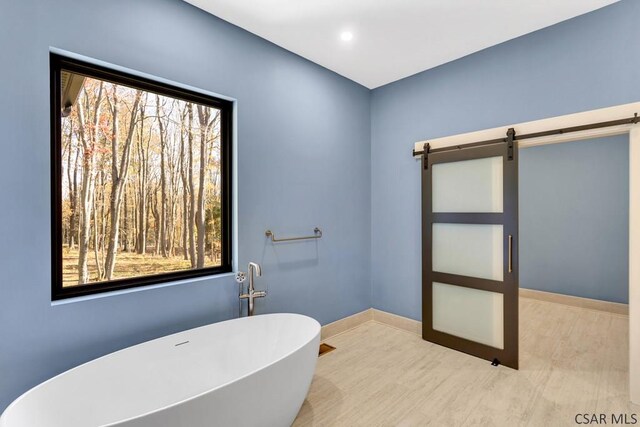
467 186
473 250
469 313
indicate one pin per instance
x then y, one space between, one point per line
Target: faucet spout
255 267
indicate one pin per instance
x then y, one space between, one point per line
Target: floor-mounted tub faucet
252 294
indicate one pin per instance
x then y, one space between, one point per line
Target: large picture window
141 181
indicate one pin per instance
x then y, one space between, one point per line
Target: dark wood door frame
509 287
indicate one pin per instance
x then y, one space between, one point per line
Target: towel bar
317 234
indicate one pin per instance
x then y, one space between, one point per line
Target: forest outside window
141 181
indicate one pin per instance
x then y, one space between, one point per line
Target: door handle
510 253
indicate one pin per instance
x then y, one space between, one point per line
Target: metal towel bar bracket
317 234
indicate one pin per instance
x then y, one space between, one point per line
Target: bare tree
163 181
192 198
119 173
156 219
185 188
72 186
96 241
204 115
143 176
102 218
89 139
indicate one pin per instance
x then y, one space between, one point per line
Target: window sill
109 294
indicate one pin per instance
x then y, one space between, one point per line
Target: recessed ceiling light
346 36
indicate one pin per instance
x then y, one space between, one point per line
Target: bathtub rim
196 396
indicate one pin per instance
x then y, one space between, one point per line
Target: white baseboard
342 325
400 322
592 304
415 326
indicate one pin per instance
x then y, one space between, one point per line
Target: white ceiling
392 39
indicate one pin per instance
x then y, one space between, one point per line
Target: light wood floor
573 360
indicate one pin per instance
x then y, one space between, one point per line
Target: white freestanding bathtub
253 371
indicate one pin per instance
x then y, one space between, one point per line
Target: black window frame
58 63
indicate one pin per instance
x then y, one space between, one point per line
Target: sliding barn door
469 244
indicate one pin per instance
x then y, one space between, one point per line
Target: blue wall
574 218
303 141
585 63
